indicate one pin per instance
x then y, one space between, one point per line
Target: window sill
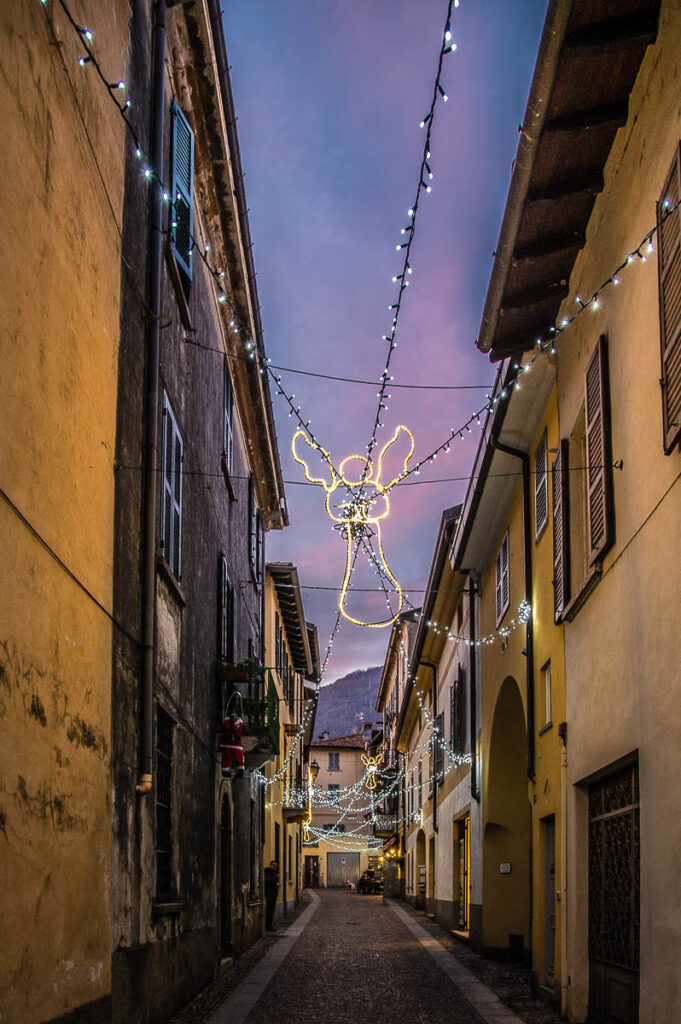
255 903
545 728
228 478
587 588
173 585
176 278
166 909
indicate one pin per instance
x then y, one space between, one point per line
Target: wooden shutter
439 748
226 592
182 164
503 582
252 545
669 271
541 487
600 533
171 505
228 427
561 532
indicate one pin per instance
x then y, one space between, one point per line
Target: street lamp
314 771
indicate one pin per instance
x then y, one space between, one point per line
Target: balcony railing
384 825
254 698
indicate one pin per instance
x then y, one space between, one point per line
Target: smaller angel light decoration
359 519
371 764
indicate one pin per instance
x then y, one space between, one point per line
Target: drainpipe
562 895
475 786
433 668
404 827
517 453
155 252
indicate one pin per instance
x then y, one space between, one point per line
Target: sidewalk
511 982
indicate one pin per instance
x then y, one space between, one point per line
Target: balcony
246 692
384 826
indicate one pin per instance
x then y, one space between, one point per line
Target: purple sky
329 96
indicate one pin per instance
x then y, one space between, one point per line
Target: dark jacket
271 883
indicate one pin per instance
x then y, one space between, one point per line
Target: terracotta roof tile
354 741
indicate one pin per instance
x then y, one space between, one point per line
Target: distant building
342 844
292 666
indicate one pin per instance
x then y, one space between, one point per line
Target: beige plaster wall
61 174
623 649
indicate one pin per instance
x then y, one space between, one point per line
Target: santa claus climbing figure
232 748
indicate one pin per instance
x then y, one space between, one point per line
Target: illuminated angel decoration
371 764
359 519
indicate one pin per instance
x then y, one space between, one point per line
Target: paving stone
357 961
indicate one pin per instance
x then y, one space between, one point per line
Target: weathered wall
164 955
61 174
623 648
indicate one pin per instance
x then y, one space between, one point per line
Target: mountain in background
343 705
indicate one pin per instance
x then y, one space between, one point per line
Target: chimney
324 735
367 730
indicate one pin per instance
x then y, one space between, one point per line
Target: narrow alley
349 958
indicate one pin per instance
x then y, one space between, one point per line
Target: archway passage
225 878
507 831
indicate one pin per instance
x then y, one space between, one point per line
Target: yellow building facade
342 845
603 309
292 662
62 173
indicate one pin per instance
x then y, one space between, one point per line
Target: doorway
462 887
549 830
614 908
225 878
311 872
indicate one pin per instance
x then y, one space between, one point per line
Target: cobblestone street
351 958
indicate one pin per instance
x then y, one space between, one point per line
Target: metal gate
341 868
614 865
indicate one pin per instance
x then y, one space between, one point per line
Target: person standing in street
271 892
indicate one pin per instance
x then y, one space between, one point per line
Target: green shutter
182 165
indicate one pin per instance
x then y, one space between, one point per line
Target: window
457 712
541 487
669 272
252 525
546 675
228 420
503 586
340 827
334 791
164 774
420 801
439 751
561 533
171 505
226 591
182 173
600 519
334 761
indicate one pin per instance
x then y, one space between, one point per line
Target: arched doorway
507 831
225 877
420 881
